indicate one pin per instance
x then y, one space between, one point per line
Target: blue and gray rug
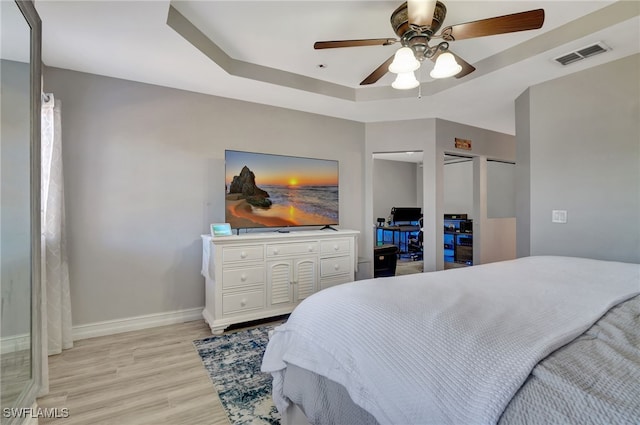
233 361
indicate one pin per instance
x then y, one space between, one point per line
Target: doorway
479 209
398 189
458 211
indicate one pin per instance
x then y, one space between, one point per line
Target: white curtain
55 271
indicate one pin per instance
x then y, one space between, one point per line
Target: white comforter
448 347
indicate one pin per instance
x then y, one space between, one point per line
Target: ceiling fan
417 22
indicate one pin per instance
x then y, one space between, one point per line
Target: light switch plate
559 216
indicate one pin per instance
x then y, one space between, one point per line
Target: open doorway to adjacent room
397 209
479 210
458 211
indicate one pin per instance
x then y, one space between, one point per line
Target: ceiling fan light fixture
405 81
404 61
446 66
421 11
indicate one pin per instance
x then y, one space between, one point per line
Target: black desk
399 236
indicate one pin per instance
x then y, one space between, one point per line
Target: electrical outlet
559 216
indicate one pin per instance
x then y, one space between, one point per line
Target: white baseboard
111 327
13 343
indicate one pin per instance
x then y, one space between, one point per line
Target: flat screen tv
266 190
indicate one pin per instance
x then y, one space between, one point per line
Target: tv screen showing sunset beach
266 190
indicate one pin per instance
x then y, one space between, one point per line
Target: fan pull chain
420 83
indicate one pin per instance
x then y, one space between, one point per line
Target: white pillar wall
479 206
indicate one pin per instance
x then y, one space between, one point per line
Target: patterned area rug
233 361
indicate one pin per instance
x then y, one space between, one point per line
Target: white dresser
256 275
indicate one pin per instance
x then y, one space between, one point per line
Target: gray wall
584 147
487 143
144 178
143 166
394 185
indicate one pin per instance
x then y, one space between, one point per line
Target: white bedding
447 347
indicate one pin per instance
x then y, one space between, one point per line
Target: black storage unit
385 258
458 239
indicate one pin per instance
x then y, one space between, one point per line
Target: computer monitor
406 214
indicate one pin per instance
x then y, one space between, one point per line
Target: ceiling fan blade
523 21
467 68
420 12
378 73
354 43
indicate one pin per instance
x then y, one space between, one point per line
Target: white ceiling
132 40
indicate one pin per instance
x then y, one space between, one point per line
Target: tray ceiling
265 52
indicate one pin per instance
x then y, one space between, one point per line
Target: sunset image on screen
264 190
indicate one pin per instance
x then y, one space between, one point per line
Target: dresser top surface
276 236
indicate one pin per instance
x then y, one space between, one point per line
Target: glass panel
501 189
15 207
458 185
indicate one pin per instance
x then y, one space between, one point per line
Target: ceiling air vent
569 58
583 53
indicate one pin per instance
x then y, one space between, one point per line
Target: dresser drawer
243 253
245 276
278 250
334 280
335 266
244 301
338 246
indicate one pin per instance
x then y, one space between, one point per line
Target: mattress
444 347
594 379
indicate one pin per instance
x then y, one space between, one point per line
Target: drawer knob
275 250
310 248
243 277
243 254
336 267
336 247
243 302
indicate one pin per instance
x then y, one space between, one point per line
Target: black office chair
385 258
415 244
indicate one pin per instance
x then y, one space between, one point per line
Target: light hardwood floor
152 376
409 267
16 374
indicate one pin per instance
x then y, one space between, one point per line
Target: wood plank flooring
409 267
152 376
16 374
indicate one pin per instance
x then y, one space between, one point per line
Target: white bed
456 347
